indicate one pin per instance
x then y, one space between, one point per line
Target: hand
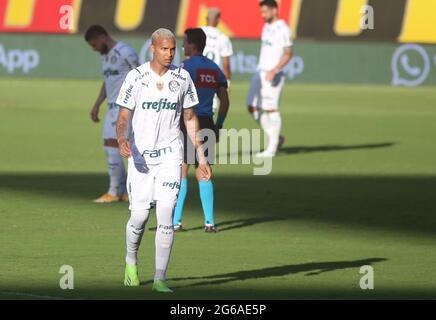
270 75
124 148
94 114
204 170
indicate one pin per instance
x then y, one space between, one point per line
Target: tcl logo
206 78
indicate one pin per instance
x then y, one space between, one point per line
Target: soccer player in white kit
117 59
152 98
264 95
218 48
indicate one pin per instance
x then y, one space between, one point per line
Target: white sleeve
286 36
127 95
131 58
188 93
226 49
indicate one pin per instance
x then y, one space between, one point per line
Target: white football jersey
218 45
116 65
158 103
275 37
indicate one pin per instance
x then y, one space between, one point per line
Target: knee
165 211
139 218
165 206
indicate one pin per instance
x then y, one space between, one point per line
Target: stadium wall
42 55
401 21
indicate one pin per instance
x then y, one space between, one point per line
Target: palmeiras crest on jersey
174 86
160 85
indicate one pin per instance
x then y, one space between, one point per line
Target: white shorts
149 183
110 121
263 94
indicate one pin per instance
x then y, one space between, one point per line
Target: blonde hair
162 33
213 13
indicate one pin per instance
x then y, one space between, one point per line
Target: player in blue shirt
209 80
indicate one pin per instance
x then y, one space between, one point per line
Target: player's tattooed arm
193 129
286 57
122 125
96 108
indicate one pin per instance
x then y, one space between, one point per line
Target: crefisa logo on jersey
171 185
108 72
128 94
174 86
163 104
178 76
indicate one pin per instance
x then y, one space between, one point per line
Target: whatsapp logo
410 65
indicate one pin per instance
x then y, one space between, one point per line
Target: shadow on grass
405 204
255 292
235 224
311 269
329 148
312 149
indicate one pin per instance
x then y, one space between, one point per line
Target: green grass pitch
354 185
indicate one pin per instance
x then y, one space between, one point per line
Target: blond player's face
164 51
268 13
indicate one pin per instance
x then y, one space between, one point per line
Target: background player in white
156 93
264 96
117 59
218 47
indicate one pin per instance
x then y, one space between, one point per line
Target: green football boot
131 276
161 286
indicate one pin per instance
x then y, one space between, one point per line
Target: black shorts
208 137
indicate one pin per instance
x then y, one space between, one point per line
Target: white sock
164 237
134 232
271 123
275 122
265 125
255 114
117 173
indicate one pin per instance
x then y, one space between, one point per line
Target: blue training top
207 77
